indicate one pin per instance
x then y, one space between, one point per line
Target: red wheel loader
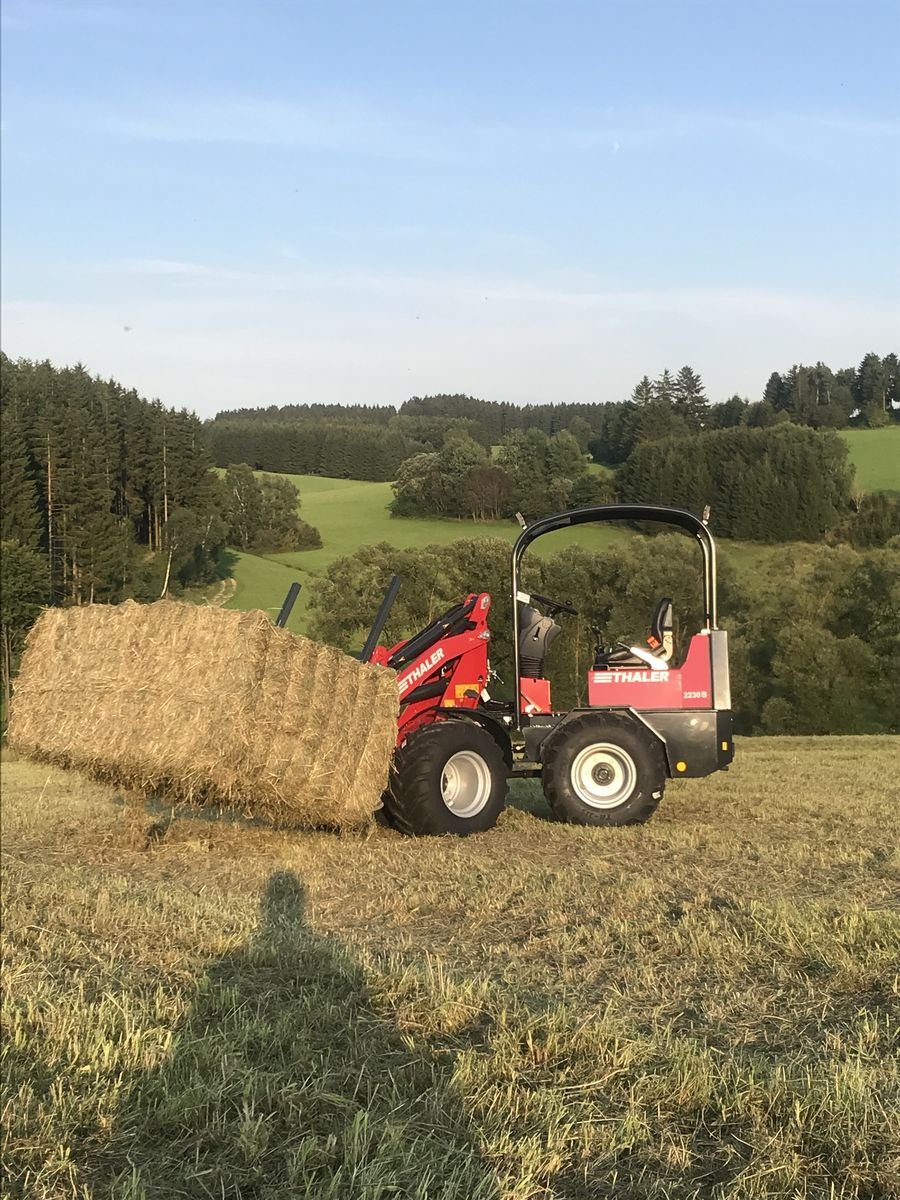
651 715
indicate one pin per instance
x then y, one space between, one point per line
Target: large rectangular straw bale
210 706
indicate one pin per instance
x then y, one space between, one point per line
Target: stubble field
706 1006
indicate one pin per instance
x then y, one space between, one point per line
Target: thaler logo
422 669
631 677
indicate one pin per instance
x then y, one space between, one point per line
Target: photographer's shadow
285 1082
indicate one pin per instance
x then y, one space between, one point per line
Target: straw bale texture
210 706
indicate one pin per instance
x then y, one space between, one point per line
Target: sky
233 204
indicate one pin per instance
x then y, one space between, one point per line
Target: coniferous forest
107 496
101 481
363 441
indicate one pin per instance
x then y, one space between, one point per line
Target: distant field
701 1008
876 455
350 513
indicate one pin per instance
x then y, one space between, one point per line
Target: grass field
706 1006
350 513
876 455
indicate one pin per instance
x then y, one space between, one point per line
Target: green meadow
350 513
875 453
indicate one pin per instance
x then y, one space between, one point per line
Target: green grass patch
350 514
702 1008
875 453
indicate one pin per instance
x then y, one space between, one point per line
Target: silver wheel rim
465 783
603 775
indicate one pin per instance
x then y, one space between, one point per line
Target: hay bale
210 706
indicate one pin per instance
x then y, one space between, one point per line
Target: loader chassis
646 720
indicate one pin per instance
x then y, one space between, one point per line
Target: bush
815 641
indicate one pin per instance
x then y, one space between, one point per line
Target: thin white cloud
643 128
151 266
353 125
574 292
39 16
321 124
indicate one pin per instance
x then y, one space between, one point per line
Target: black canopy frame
600 513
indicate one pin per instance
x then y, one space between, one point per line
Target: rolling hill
876 455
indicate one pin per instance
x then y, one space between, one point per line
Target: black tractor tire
449 777
603 769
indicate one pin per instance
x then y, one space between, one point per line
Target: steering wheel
555 605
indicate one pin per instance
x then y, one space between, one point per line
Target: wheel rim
465 783
603 775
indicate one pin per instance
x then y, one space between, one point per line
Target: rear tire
449 777
603 769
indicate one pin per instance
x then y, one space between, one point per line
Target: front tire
603 769
449 777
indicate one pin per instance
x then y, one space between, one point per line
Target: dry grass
207 706
703 1007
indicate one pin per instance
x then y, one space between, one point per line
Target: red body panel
534 695
459 663
687 686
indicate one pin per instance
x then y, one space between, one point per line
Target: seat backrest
661 638
536 633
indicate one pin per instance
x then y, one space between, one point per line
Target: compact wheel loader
651 715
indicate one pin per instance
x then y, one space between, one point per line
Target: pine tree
871 391
664 387
20 517
643 392
689 398
777 393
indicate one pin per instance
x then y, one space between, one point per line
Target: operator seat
536 633
661 639
660 642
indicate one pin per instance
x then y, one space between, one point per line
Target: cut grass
875 453
705 1006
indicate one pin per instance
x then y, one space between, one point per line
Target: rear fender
695 742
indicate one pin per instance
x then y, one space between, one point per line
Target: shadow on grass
226 561
527 796
285 1082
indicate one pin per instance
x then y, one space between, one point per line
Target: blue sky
230 204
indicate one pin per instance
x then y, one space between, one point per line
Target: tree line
341 449
365 441
109 496
815 635
779 484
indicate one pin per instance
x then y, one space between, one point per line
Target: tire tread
410 798
554 775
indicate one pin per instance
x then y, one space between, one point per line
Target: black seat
536 633
661 639
660 643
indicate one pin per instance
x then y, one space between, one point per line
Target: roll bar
679 517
